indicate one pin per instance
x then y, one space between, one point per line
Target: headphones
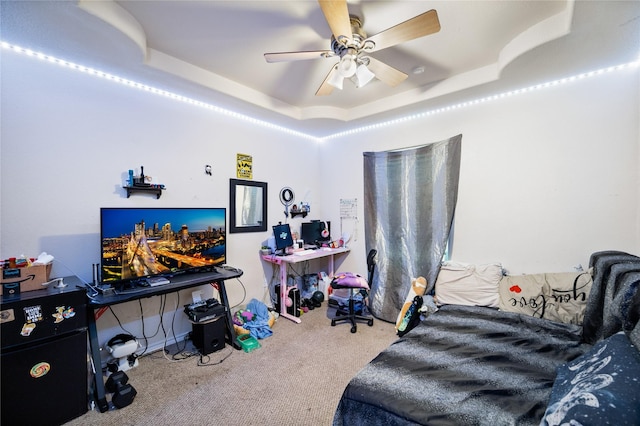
325 232
289 300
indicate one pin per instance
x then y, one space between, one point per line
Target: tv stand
102 301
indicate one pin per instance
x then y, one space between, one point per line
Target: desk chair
355 287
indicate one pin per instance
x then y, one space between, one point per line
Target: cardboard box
17 280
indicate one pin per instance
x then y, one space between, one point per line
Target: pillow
599 387
349 279
560 297
471 285
569 294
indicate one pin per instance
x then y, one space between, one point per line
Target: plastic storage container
248 342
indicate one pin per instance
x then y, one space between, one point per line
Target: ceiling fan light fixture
336 79
368 45
347 66
364 75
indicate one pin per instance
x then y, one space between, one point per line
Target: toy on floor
405 323
123 349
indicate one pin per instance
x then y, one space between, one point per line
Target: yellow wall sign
244 166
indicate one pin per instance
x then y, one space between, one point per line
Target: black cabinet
43 356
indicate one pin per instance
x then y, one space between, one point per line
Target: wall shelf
295 213
152 189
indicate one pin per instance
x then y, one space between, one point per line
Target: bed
472 365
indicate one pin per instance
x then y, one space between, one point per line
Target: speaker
209 336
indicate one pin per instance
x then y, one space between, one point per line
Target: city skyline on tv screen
143 242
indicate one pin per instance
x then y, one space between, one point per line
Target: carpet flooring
296 377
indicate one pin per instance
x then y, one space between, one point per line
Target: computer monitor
282 234
311 232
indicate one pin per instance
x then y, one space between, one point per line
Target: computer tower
294 297
209 336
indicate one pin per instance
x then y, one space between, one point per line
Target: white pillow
560 297
466 284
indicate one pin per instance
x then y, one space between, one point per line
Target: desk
284 261
179 282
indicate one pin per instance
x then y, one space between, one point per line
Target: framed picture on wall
247 206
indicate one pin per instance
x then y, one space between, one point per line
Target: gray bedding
480 366
463 365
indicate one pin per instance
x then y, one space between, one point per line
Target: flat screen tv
146 242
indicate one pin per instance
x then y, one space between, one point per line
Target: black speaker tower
209 336
294 295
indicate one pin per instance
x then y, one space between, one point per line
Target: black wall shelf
152 189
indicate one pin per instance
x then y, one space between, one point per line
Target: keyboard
304 252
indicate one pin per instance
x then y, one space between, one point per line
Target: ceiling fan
350 43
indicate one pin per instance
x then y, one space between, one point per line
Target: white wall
69 139
547 177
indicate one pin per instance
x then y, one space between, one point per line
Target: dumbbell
123 393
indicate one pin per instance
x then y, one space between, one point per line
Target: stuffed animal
418 287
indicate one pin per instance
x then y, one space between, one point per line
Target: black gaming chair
352 314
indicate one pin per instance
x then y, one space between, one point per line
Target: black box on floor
294 299
208 336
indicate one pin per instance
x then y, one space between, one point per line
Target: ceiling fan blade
325 88
297 56
416 27
337 16
386 73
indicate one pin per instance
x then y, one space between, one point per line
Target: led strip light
150 89
263 123
486 99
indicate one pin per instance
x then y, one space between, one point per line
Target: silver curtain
409 200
